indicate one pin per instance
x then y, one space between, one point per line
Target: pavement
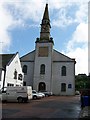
60 107
50 107
85 112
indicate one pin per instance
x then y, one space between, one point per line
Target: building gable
59 57
28 57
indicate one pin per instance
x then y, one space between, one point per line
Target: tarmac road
48 107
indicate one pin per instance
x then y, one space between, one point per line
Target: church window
42 86
24 69
69 85
63 71
15 74
63 87
42 69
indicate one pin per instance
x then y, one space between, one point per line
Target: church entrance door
42 86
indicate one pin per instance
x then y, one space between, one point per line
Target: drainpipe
4 79
51 70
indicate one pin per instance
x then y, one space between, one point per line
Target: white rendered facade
8 75
1 77
46 68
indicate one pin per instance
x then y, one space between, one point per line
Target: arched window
15 74
41 86
42 69
63 71
24 69
63 87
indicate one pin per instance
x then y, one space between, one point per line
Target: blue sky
20 26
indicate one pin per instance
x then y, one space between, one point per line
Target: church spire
45 27
46 13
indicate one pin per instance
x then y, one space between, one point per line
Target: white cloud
63 16
63 20
80 36
81 57
30 9
81 33
16 13
82 13
8 21
5 22
80 53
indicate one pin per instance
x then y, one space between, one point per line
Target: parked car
36 95
77 92
46 92
43 95
85 97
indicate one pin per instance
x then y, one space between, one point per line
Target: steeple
45 27
46 13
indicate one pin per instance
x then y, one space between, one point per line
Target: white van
17 93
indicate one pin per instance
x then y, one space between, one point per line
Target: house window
24 83
63 87
69 85
42 69
63 71
15 74
19 76
24 69
9 84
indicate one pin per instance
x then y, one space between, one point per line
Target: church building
47 69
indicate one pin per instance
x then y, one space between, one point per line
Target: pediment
57 56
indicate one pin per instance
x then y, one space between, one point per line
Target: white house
10 70
47 69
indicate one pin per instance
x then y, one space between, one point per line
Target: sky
20 26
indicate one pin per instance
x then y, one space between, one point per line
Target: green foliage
82 81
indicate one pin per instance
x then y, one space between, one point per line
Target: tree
82 81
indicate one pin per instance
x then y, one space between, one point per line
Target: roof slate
5 59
